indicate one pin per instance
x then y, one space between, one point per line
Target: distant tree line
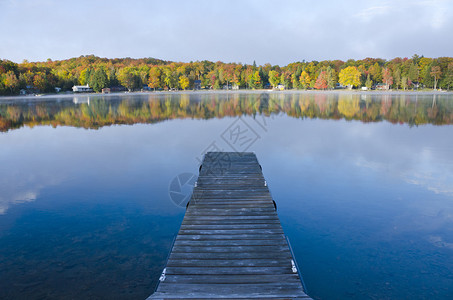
135 74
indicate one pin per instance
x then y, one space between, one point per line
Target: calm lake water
363 184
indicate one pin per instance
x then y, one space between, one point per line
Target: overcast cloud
276 32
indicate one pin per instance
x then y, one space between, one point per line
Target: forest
154 74
96 112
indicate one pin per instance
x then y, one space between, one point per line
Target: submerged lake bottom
363 184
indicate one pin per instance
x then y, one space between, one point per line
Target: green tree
273 78
427 79
170 78
284 80
350 76
404 80
368 82
113 80
129 78
449 76
99 80
330 78
295 81
413 73
397 77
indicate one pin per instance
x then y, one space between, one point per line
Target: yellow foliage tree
350 76
183 82
154 78
304 79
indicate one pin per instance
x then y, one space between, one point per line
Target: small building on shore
197 84
381 87
281 87
81 88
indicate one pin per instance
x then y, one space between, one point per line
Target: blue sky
276 32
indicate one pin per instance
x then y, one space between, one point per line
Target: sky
243 31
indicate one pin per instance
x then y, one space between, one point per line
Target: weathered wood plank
230 231
228 256
229 249
229 270
218 243
222 221
257 262
220 218
231 226
236 278
231 237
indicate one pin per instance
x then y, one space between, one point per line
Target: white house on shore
81 88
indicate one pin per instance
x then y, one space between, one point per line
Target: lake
363 183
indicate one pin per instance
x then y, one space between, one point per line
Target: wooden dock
231 244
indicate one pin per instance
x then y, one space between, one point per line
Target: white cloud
369 13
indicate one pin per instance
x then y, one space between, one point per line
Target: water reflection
98 111
367 204
81 99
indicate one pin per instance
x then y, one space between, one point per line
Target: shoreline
243 91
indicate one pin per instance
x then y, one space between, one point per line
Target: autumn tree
39 82
387 77
304 80
350 76
436 73
321 81
256 80
154 78
11 82
273 78
376 73
85 76
183 82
